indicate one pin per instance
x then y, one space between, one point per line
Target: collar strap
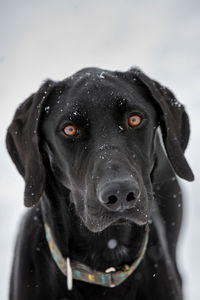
75 270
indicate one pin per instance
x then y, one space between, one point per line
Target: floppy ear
23 143
174 124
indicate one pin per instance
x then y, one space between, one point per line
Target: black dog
106 204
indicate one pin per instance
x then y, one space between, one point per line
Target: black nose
119 195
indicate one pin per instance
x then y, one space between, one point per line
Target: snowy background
52 39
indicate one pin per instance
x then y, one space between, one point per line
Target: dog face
99 136
97 130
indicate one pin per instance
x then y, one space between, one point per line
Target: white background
53 39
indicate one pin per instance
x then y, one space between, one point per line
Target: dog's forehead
94 91
97 85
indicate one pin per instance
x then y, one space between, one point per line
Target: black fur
68 181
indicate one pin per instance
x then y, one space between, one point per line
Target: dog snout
119 195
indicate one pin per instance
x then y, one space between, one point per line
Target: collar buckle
110 270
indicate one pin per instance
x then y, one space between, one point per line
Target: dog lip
128 214
122 221
95 224
96 221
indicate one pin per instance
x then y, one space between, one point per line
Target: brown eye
134 120
70 130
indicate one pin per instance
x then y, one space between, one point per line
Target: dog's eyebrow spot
74 115
121 103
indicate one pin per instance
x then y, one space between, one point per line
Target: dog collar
75 270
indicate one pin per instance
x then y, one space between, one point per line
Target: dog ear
23 143
174 123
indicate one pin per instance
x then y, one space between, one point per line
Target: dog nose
119 195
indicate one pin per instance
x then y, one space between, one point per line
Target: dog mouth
122 221
98 223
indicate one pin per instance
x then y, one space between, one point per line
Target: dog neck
115 246
111 277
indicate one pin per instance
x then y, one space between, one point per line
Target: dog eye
70 130
134 120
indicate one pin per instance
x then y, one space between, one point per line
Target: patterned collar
75 270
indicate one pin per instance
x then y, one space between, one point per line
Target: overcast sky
52 39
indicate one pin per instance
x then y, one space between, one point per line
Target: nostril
112 199
130 197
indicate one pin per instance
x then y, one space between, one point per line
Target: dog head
96 130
